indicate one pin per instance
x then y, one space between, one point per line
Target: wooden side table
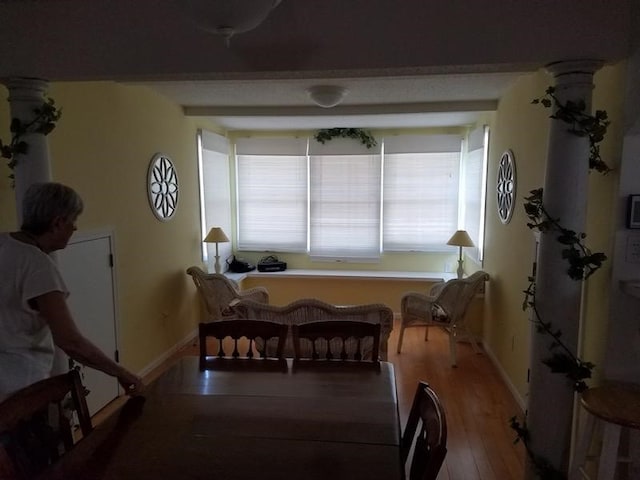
617 406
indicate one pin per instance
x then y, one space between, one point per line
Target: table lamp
216 235
460 239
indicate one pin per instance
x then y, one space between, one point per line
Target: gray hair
43 202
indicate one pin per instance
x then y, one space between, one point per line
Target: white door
86 265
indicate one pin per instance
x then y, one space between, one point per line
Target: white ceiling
378 102
406 64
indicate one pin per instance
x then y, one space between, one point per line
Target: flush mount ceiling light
327 96
229 17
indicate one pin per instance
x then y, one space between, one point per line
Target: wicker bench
309 310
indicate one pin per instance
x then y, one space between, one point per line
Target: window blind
420 197
215 190
272 194
475 166
345 189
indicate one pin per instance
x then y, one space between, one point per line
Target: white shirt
26 344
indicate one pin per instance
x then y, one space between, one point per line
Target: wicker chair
217 292
311 310
444 307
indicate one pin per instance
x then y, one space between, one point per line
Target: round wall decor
162 187
506 186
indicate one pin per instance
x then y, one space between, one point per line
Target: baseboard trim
166 355
514 391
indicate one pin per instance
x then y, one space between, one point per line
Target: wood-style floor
477 402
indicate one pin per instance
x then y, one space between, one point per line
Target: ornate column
551 396
25 95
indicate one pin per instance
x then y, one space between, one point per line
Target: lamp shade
228 17
216 235
461 239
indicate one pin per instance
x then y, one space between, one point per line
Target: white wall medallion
506 186
162 187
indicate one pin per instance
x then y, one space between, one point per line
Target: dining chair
336 340
445 307
236 330
428 419
218 292
36 425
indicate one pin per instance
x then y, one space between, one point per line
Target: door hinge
111 260
116 355
528 375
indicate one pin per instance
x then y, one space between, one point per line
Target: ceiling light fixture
327 96
229 17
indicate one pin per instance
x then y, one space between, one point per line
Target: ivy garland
44 122
363 136
581 124
582 262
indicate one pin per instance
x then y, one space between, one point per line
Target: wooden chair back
36 427
427 417
329 339
236 330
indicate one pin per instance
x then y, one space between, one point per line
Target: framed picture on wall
633 212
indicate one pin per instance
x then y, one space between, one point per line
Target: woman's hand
131 383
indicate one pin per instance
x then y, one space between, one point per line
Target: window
421 183
344 200
474 188
272 194
340 200
215 195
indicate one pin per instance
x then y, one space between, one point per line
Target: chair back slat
36 427
325 335
236 330
426 431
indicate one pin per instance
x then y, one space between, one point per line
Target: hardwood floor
477 402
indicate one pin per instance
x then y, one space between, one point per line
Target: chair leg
474 344
400 337
453 341
634 453
609 453
583 442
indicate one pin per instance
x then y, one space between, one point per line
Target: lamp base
217 264
460 270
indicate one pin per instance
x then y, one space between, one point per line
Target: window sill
368 274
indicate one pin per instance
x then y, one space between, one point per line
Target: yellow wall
524 128
102 146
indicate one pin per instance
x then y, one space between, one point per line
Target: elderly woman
33 309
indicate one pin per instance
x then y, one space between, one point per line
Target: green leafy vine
581 124
43 122
363 136
541 465
582 263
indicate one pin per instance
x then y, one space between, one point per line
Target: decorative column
558 297
25 95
